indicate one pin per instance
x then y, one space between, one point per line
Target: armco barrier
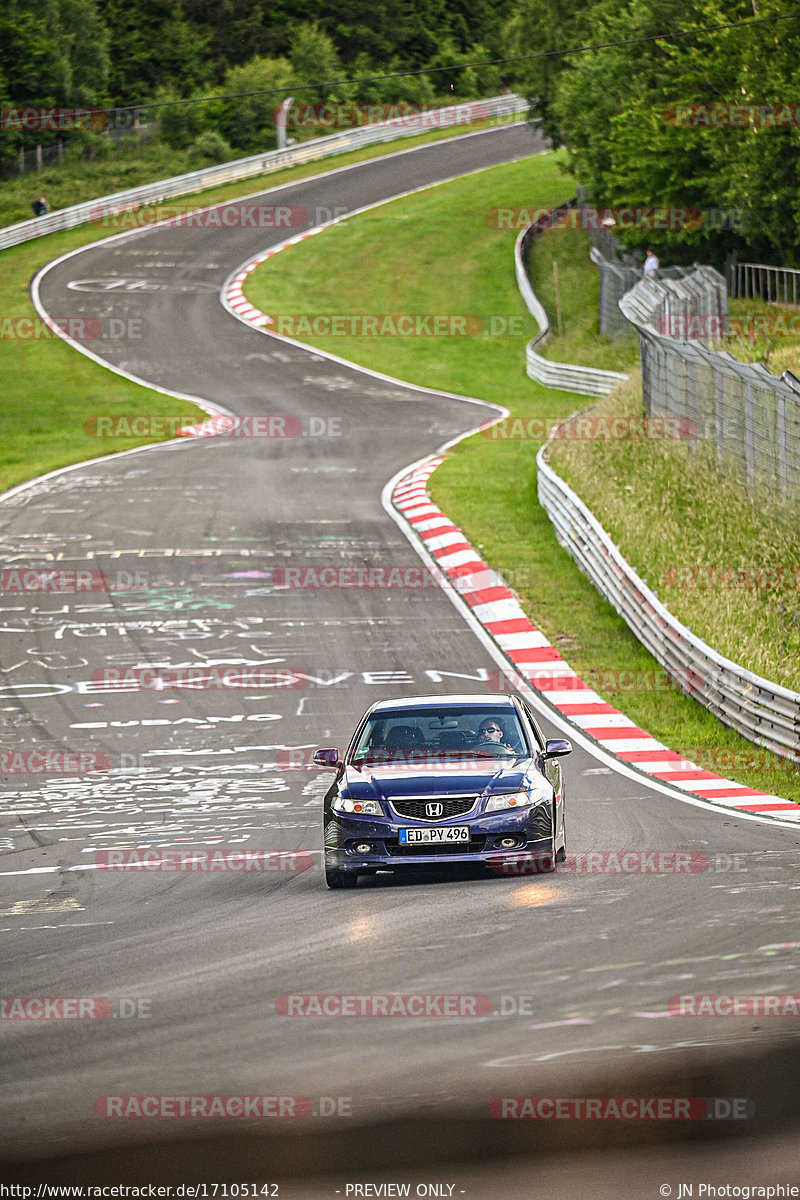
586 381
245 168
764 712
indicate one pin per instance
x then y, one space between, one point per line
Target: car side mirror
327 758
557 748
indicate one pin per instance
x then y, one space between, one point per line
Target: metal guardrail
764 712
587 381
751 415
256 164
780 285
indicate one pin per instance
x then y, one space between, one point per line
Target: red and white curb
232 292
533 657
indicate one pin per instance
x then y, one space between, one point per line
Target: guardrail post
280 122
691 398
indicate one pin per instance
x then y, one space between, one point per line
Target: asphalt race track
188 533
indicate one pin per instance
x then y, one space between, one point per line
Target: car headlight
513 800
364 808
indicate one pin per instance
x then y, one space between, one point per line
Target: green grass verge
48 390
129 164
435 253
467 258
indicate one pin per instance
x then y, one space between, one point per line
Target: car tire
340 879
547 863
561 856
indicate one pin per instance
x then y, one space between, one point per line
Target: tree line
109 53
707 124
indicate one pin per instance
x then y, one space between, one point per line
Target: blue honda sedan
445 780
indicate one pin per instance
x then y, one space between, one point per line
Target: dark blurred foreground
464 1152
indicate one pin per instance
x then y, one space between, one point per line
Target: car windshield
462 731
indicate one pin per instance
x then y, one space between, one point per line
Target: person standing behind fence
651 265
40 207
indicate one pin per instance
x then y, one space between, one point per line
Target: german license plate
448 833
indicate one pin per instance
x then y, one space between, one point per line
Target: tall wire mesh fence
619 273
751 416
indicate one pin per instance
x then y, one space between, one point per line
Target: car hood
483 776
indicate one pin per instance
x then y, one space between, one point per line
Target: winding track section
203 522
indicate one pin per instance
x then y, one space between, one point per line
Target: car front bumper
530 828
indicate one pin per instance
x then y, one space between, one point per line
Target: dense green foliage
612 108
132 52
115 53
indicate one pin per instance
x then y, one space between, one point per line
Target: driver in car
491 733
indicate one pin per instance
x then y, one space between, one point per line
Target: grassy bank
48 390
579 284
772 347
467 257
719 559
487 485
129 164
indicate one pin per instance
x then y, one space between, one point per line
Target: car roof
471 700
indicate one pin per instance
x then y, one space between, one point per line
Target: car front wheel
547 863
340 879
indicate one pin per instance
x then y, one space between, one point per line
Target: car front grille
473 847
415 810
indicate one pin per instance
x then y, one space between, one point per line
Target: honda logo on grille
434 810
